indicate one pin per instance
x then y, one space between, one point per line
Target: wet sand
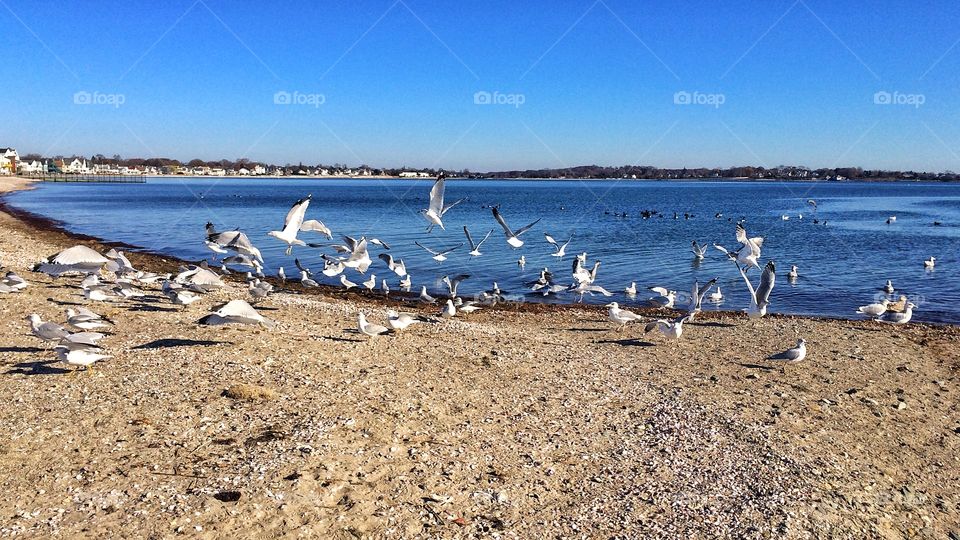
522 422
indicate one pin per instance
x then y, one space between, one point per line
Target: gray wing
526 228
499 218
469 238
767 279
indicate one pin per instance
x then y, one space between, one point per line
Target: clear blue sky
597 79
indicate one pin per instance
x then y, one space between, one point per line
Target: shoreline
163 262
542 423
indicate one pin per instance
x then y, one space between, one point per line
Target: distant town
11 163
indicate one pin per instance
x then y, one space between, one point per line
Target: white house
9 161
31 167
259 170
77 166
243 171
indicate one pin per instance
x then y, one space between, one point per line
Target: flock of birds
111 276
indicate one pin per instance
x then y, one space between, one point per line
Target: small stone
901 405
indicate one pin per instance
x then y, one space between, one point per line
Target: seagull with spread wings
475 248
513 237
760 297
435 212
292 224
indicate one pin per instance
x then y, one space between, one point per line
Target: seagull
47 331
696 299
874 310
425 297
306 281
698 251
259 289
666 298
347 284
312 225
522 262
12 282
512 237
292 224
235 312
792 274
631 291
793 354
179 295
749 252
434 214
332 267
560 249
899 305
899 318
83 357
233 241
760 298
400 321
371 283
928 264
888 288
84 319
359 258
384 288
282 275
469 307
449 310
406 283
453 284
716 296
395 266
379 242
368 328
620 316
77 259
812 203
670 329
475 248
438 256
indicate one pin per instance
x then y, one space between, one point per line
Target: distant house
9 161
243 171
259 170
414 174
77 166
32 167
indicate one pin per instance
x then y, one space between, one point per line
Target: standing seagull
620 316
894 317
292 224
475 248
512 237
793 354
760 298
434 214
368 328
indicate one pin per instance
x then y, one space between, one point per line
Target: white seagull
874 310
760 298
475 248
438 256
559 249
400 321
899 318
77 259
698 251
670 329
620 316
235 312
929 263
512 237
749 252
434 214
368 328
292 224
793 354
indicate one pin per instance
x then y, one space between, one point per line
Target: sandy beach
540 422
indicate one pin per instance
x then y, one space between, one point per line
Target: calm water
842 265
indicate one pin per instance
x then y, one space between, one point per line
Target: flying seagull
77 259
760 298
292 224
434 213
475 248
438 256
559 249
512 237
698 251
749 252
670 329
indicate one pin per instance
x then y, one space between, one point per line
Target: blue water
842 265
